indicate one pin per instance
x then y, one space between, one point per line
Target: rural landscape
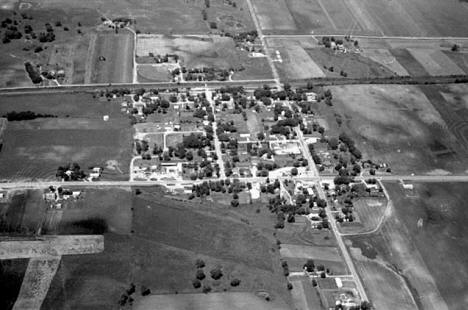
233 154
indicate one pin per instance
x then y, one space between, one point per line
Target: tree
365 305
294 171
333 143
235 282
196 283
200 275
235 203
206 289
216 273
309 265
289 286
200 263
260 136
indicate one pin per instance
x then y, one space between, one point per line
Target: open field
412 129
228 301
34 149
159 252
305 296
117 50
200 51
391 18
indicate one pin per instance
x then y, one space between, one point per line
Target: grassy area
34 149
11 273
165 239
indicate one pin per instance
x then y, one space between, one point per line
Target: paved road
247 84
291 36
217 144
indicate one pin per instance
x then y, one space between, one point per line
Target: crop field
305 296
412 129
436 62
368 17
11 273
200 51
424 234
296 62
228 301
159 252
34 149
117 50
386 59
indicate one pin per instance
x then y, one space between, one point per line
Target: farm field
424 233
295 62
228 301
117 50
23 214
34 149
167 16
200 51
414 130
11 273
159 251
394 18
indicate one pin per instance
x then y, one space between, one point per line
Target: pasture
159 251
408 256
68 52
165 16
412 129
440 239
34 149
211 51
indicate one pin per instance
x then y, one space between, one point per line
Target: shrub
196 283
235 282
200 263
200 274
216 273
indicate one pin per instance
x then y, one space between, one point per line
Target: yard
34 149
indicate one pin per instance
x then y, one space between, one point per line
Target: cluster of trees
34 74
70 172
25 116
351 145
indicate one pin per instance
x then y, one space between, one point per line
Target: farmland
423 234
202 51
159 251
419 131
116 54
395 18
34 149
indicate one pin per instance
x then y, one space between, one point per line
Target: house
311 96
